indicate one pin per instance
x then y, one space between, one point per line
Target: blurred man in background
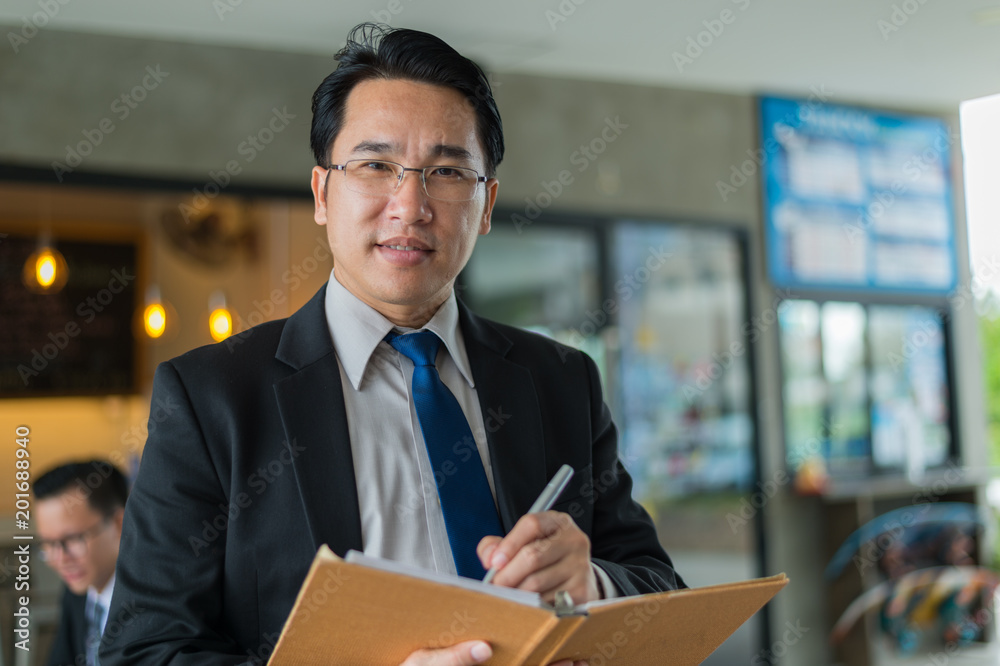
78 513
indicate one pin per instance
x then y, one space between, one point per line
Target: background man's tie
93 637
466 501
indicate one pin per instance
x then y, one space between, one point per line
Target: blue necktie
466 501
93 639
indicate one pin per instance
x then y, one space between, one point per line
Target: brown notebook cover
348 613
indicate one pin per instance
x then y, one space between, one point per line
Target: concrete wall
174 110
662 152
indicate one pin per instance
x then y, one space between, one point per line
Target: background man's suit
248 470
70 645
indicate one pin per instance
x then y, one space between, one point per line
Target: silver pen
544 502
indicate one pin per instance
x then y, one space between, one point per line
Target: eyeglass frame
63 546
403 169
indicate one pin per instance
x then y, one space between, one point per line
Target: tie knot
420 347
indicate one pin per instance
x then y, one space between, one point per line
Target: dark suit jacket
247 470
71 638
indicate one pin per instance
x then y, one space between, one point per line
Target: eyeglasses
381 178
73 545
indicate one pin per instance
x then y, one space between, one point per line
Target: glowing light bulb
155 320
46 269
220 322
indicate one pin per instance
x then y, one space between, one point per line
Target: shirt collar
104 596
357 329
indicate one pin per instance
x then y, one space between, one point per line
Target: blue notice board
856 199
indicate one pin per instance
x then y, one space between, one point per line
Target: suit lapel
511 415
311 404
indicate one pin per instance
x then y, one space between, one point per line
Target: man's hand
545 552
462 654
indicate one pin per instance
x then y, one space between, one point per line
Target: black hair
376 51
104 486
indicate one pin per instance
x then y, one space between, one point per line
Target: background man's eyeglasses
382 178
73 545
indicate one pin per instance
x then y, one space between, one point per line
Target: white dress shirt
401 517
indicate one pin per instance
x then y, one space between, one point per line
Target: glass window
909 388
865 387
804 390
684 379
842 330
544 277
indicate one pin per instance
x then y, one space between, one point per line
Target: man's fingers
548 581
485 549
463 654
534 568
564 545
530 528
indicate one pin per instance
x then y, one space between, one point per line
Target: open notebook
365 610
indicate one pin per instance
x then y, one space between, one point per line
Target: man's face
416 125
91 539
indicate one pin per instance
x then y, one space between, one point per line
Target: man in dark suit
315 429
78 512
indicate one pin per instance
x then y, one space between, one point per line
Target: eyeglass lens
375 177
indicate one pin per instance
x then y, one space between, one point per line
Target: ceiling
914 53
